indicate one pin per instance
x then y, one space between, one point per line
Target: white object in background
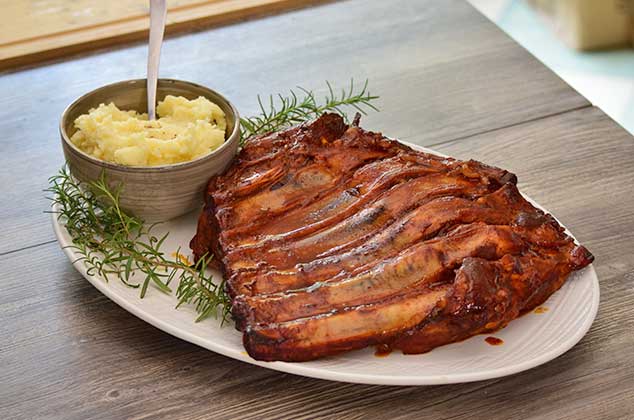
605 78
158 12
589 24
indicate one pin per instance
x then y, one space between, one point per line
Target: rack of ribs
333 238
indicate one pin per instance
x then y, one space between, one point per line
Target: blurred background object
33 31
589 24
566 36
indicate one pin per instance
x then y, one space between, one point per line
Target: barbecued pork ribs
333 238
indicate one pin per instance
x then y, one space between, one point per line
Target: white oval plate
529 341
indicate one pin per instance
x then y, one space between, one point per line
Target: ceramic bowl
154 193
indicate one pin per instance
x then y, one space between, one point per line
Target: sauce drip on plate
382 350
494 341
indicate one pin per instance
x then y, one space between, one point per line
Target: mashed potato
185 130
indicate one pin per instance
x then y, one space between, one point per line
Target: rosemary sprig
113 243
281 112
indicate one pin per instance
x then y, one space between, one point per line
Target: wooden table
449 79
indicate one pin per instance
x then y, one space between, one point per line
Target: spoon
158 11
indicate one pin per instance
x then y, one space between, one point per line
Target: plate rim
305 369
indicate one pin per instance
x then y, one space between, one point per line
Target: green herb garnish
282 112
112 243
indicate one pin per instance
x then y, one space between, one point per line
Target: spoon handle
158 11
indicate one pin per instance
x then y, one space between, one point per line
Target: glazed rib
424 222
335 204
488 295
422 264
333 238
368 220
358 327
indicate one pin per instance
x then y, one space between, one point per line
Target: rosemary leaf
111 243
286 111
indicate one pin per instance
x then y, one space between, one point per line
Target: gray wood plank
69 353
443 71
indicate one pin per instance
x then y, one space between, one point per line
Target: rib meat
333 238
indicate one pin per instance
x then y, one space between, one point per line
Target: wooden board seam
493 130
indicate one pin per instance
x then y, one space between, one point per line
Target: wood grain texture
33 32
448 79
442 70
70 353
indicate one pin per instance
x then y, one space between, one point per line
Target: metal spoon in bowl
158 11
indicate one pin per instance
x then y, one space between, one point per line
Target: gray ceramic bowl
154 193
